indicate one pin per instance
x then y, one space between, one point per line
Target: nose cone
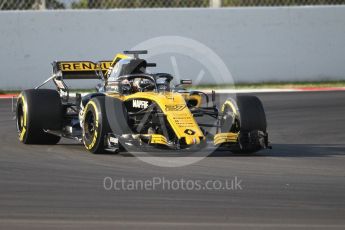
193 140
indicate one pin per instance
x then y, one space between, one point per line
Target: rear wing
63 70
83 70
80 69
88 69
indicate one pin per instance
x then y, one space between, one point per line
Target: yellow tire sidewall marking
24 105
232 106
94 140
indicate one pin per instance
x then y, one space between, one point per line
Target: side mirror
186 82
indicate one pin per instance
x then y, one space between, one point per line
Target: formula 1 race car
133 107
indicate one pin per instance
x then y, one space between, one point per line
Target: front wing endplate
221 138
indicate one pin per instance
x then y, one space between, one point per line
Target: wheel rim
89 125
20 118
227 120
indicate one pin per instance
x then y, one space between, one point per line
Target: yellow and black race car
135 108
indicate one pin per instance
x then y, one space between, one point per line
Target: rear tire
38 110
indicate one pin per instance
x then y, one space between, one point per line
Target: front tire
96 125
245 116
252 113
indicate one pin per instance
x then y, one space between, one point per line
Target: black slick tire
38 110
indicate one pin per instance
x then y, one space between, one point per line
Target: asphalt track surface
299 184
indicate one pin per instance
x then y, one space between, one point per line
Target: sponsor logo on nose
189 132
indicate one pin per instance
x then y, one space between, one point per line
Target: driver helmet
125 87
163 85
141 84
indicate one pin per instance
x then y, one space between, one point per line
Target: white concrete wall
257 44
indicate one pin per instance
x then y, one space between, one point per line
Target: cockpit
129 76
